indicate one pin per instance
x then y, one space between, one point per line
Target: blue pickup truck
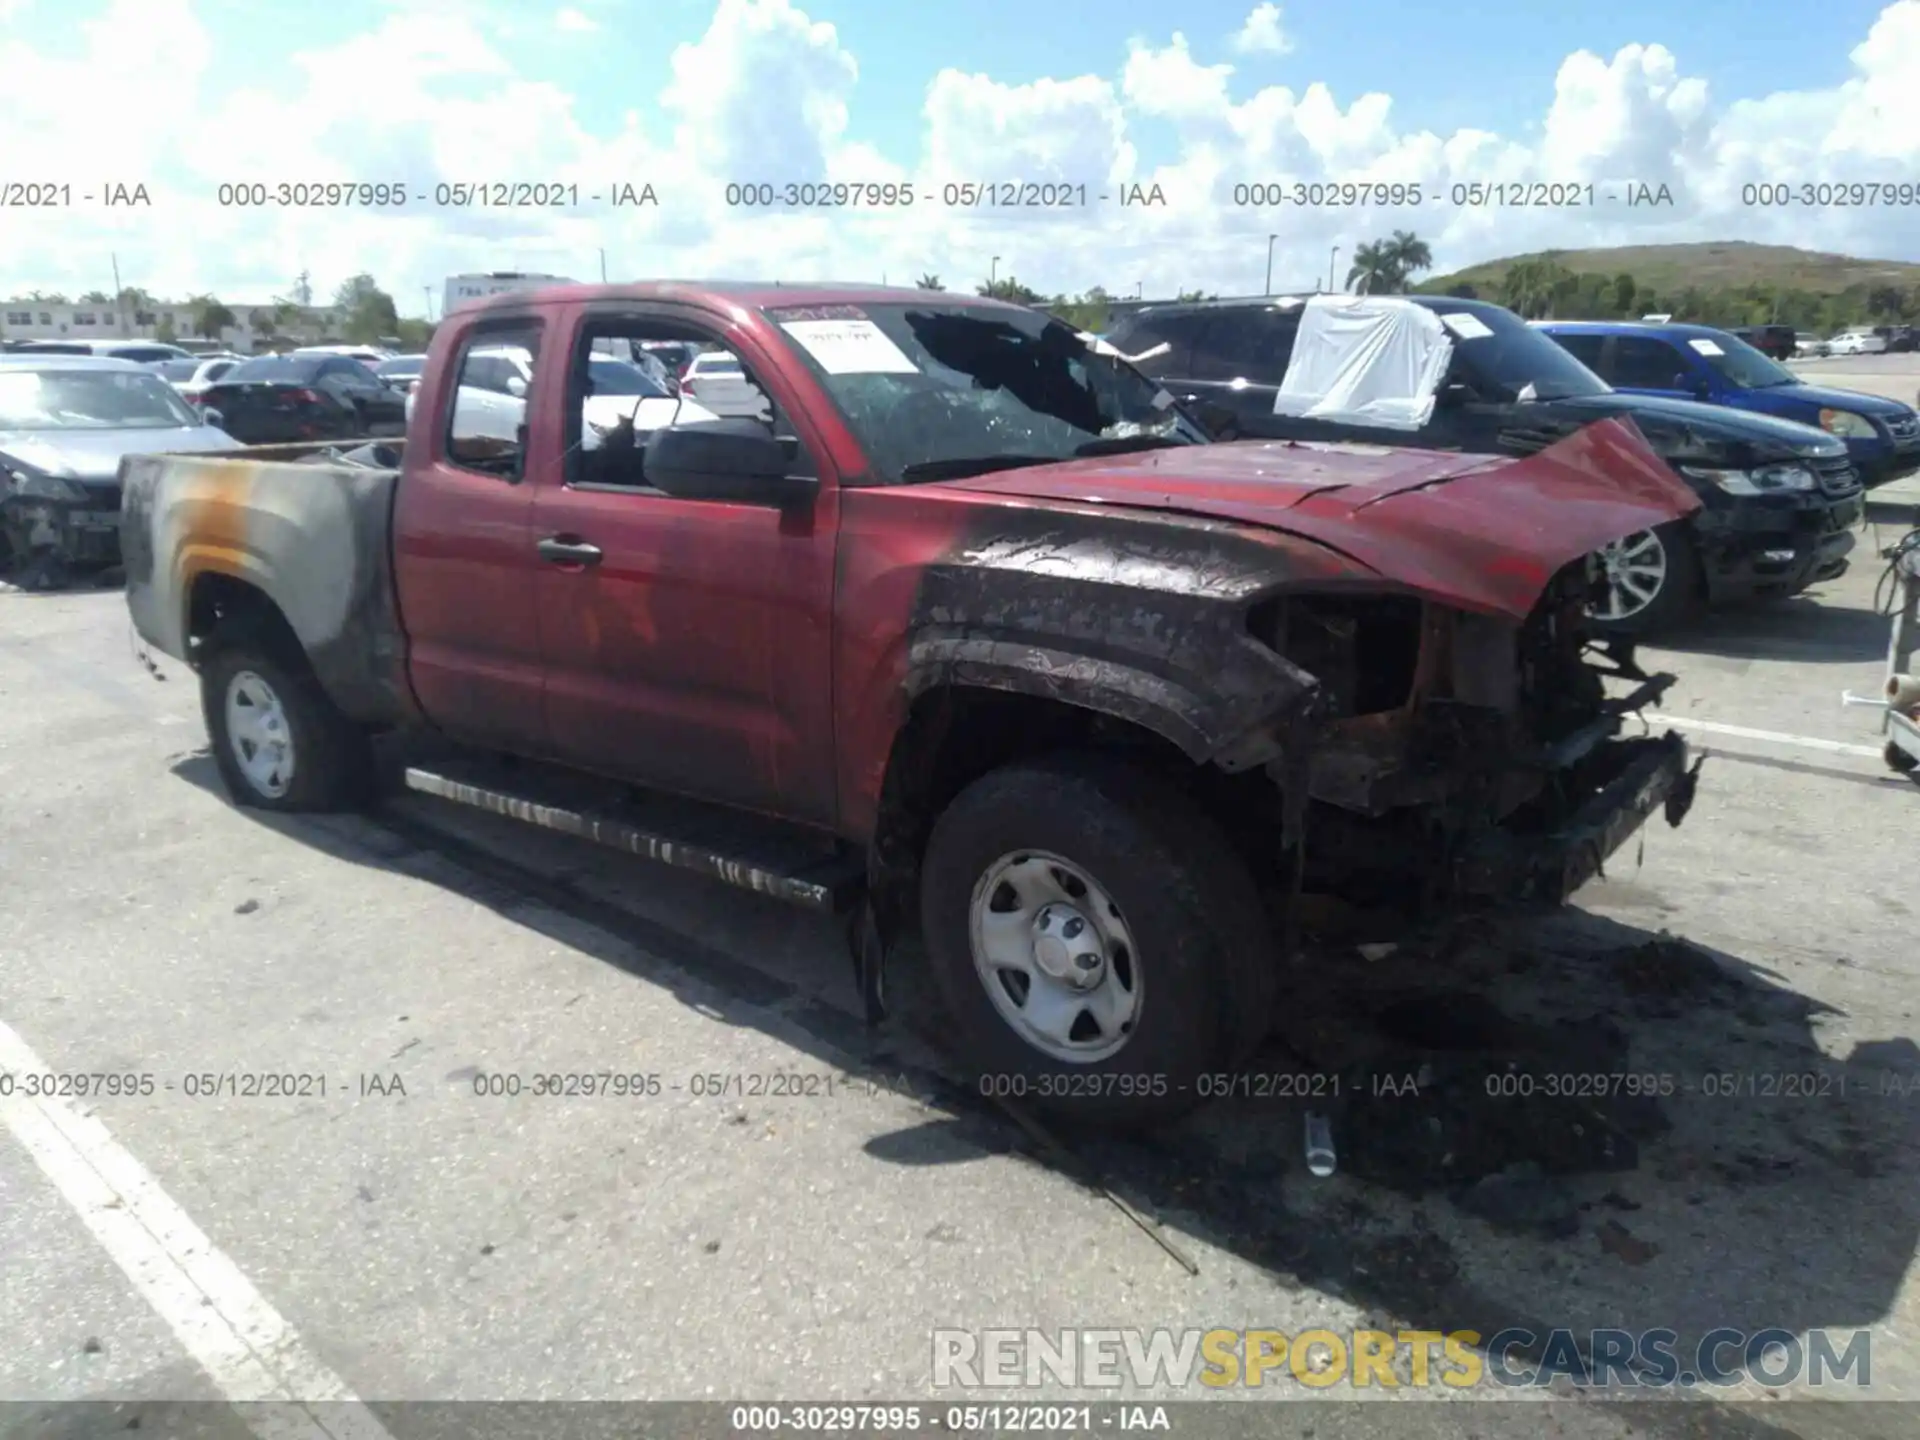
1695 362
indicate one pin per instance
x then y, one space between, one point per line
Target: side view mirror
729 460
211 416
517 387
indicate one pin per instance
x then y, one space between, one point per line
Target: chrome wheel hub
1635 571
1055 957
258 732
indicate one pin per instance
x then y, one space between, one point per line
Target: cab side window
1253 345
1176 332
1641 362
487 431
616 405
1584 348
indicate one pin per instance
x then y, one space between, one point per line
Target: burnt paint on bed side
314 540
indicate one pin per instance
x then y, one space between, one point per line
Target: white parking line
1772 737
256 1359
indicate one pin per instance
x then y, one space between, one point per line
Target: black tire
1898 759
1208 958
332 758
1678 597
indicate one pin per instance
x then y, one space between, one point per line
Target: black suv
1780 500
1777 342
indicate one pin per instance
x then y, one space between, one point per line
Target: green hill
1717 282
1710 265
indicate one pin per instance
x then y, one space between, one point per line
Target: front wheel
278 739
1651 582
1099 942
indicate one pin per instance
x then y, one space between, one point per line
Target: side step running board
812 876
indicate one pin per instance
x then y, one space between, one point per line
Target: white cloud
576 22
1262 35
765 92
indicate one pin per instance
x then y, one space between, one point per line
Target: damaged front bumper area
1627 781
44 537
1505 774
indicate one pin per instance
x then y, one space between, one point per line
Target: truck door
687 643
464 562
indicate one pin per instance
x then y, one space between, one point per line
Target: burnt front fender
1143 622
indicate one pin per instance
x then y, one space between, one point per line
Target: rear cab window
487 429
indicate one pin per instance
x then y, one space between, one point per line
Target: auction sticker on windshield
851 347
1706 347
1467 327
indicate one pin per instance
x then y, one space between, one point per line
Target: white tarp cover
1374 360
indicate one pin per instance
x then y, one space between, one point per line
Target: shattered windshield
90 400
936 391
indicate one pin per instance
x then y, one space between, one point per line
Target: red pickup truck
972 630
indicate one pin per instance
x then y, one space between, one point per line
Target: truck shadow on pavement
1551 1122
1800 630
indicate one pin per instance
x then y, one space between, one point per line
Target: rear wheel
1098 940
1651 582
279 740
1898 759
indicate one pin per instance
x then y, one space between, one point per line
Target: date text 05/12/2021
480 1084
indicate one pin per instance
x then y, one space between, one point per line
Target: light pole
603 267
428 289
1269 289
993 273
1330 266
1139 289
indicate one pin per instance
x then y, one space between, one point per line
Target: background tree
1010 289
1191 297
415 335
367 312
928 282
1086 312
96 297
210 317
1372 271
1409 255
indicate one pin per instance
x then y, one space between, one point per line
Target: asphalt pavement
391 1232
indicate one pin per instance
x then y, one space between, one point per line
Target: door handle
561 551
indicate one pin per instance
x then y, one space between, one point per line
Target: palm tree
1373 271
927 282
1532 286
1410 255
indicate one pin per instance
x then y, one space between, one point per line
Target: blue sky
1710 97
1445 72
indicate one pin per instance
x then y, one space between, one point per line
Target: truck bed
306 528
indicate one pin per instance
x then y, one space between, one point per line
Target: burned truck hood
1477 532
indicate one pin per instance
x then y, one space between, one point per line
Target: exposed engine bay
1465 748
